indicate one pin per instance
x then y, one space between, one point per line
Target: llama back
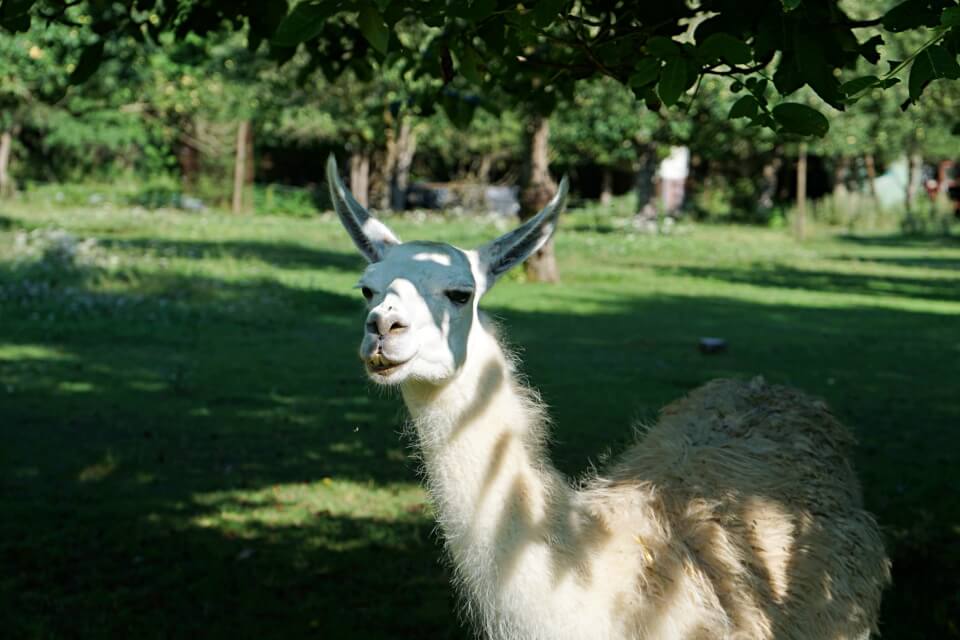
759 514
749 438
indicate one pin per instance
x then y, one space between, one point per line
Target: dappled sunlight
202 431
23 353
99 470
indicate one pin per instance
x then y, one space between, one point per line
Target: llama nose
386 323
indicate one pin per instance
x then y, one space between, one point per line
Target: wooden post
6 144
240 166
801 225
914 178
871 167
606 186
770 181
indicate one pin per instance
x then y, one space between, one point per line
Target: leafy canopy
536 50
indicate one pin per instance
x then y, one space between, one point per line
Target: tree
603 124
534 53
660 50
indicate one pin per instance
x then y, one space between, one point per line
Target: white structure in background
672 176
892 185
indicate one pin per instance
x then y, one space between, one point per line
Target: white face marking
439 258
422 305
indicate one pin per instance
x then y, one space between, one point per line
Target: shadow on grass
948 264
901 240
285 256
784 277
117 415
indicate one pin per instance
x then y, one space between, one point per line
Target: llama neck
481 437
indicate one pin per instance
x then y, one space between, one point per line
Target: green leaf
477 10
304 22
88 64
15 14
853 87
459 110
814 66
281 54
869 50
950 17
911 15
745 107
736 87
546 11
469 64
673 81
373 28
790 5
663 47
725 47
798 118
787 77
645 71
930 64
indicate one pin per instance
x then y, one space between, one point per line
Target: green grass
189 447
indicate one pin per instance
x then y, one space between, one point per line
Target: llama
736 516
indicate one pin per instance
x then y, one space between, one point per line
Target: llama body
736 516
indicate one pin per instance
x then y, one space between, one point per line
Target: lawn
190 448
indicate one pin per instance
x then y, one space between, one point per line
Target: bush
278 199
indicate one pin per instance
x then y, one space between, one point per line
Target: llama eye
458 296
367 293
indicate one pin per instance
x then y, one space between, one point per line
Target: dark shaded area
784 277
285 256
903 240
134 387
947 264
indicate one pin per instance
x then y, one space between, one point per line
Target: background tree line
194 97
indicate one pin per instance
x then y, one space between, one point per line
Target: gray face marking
421 309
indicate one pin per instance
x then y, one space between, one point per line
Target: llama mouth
380 366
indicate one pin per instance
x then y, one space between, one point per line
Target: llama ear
369 234
512 248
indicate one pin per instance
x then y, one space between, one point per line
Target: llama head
422 296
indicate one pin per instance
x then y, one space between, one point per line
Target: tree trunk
483 168
840 174
645 187
606 186
240 166
914 176
188 157
360 176
403 160
871 167
537 192
770 177
801 224
6 144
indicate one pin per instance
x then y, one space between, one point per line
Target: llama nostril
397 327
372 327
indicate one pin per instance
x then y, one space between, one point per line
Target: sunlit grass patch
243 513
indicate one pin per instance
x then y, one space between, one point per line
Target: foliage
534 54
604 125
